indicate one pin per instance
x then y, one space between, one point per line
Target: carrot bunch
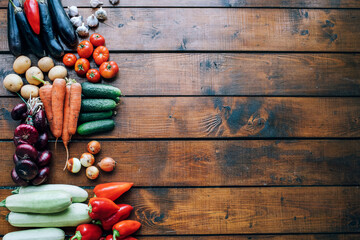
62 103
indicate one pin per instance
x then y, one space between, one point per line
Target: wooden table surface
241 119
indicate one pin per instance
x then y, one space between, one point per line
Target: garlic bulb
73 11
95 3
76 21
82 31
113 2
101 14
92 21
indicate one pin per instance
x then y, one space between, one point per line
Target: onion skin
94 147
19 112
44 158
25 133
42 142
26 169
26 151
107 164
92 172
19 181
42 176
40 121
87 159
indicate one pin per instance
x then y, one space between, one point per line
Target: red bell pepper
125 228
31 9
102 208
122 214
110 237
112 190
87 232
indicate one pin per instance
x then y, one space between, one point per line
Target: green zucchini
37 234
77 194
38 202
97 105
73 216
93 116
98 90
99 126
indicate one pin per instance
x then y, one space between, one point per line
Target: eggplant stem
3 203
16 191
16 9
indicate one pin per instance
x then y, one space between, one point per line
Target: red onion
16 159
26 169
42 176
40 121
19 111
25 133
42 142
26 151
15 177
44 158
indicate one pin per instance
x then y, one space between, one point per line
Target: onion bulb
94 147
92 172
107 164
73 165
87 159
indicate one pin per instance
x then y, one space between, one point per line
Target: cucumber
73 216
100 90
93 116
99 126
38 202
77 194
36 234
97 105
117 100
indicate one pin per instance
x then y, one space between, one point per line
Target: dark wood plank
222 3
191 211
221 163
228 74
214 117
183 29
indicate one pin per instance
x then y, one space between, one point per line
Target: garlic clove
92 21
73 11
95 3
101 14
76 21
82 31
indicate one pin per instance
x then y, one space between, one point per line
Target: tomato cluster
85 49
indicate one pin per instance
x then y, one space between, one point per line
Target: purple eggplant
44 158
40 121
42 176
19 112
25 133
26 169
42 142
26 151
15 177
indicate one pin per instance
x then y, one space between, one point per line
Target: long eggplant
14 37
62 23
47 34
33 41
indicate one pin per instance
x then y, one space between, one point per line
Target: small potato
13 82
45 64
29 90
21 64
34 71
57 72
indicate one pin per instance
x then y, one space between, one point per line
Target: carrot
57 105
65 133
75 105
45 97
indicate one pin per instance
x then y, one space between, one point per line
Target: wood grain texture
221 163
225 29
156 74
214 117
187 211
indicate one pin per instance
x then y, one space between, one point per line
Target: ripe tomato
82 65
69 59
97 40
93 75
85 49
108 69
100 55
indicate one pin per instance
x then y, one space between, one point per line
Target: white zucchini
37 234
73 216
38 202
78 194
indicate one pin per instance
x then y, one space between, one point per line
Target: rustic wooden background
241 118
